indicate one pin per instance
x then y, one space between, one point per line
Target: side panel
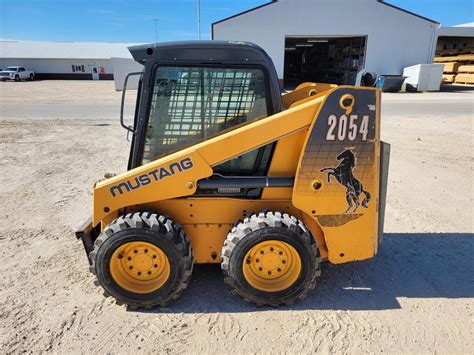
337 182
207 221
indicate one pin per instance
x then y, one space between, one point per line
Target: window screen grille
191 104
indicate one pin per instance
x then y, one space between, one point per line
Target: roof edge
274 1
407 12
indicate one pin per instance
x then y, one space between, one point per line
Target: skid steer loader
225 169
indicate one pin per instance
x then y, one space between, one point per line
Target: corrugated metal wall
395 39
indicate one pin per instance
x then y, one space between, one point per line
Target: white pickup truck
17 74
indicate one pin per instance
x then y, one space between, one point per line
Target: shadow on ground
456 88
418 265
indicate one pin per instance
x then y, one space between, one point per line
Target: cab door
190 104
22 73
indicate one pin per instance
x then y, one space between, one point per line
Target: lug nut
139 273
271 249
155 266
283 261
129 258
261 252
130 267
279 270
120 256
269 273
260 269
135 251
149 272
280 252
154 256
146 250
257 260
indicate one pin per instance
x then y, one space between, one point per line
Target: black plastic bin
390 83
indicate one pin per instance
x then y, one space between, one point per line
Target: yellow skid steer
225 169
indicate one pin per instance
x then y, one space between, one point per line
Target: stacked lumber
449 72
448 78
465 75
458 68
454 51
451 67
457 58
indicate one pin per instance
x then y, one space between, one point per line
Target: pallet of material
465 58
465 69
445 59
448 78
464 79
459 58
451 67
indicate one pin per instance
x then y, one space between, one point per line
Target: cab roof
225 53
201 51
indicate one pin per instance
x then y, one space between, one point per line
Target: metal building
333 41
453 40
64 60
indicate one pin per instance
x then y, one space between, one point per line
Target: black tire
270 226
151 228
32 77
17 78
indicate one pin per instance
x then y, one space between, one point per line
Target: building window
77 68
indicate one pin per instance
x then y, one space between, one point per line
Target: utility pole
155 20
199 18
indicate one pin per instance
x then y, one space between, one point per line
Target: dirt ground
417 295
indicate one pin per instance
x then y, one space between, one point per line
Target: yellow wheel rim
272 266
139 267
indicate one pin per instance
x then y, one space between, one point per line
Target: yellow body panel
284 163
348 236
207 220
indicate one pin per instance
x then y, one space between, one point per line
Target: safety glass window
192 104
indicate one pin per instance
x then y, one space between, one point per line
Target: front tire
17 78
270 259
32 77
142 260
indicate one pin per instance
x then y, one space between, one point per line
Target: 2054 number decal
347 127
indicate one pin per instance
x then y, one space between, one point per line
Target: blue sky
132 21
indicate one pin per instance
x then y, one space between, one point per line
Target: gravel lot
417 295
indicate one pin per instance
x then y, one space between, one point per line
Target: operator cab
192 91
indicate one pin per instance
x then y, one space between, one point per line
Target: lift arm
177 174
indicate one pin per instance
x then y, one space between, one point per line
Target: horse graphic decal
344 175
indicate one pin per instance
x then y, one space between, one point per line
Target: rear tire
289 259
143 242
